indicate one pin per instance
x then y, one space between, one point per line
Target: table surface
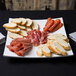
38 67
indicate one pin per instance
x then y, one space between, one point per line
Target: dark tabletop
65 66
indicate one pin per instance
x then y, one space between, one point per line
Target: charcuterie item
56 23
43 38
20 46
34 36
49 24
48 21
57 27
52 25
37 37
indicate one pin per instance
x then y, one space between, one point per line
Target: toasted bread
62 37
51 46
22 27
56 48
63 43
15 30
45 50
16 20
28 22
23 32
53 37
35 25
14 35
10 25
28 28
39 51
23 21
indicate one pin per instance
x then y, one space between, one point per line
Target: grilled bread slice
14 35
39 51
63 43
16 20
14 30
62 37
10 25
45 50
58 35
23 32
35 25
61 40
28 28
56 48
28 22
23 21
22 27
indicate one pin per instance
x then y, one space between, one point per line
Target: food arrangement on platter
19 27
26 34
57 44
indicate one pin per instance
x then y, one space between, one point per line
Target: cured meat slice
43 39
37 37
20 46
21 52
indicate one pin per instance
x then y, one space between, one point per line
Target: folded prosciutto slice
37 37
20 46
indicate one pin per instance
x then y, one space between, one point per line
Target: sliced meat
37 37
22 52
20 44
43 39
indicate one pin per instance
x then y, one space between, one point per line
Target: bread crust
13 31
5 25
35 25
12 35
28 22
38 54
21 27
